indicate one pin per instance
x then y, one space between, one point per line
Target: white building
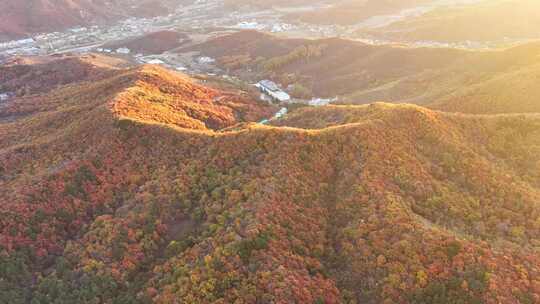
4 96
316 102
273 91
277 28
205 60
245 25
78 30
123 51
155 61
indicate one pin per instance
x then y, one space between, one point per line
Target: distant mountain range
141 185
501 21
351 12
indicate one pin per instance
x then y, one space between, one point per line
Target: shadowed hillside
33 75
153 43
113 192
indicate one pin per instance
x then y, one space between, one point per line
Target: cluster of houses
76 38
26 47
17 43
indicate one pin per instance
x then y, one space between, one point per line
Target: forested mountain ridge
128 190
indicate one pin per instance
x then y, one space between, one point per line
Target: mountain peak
156 95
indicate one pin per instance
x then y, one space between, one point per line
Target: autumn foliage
129 190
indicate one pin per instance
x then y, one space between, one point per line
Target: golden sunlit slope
498 81
167 97
147 93
340 204
490 20
512 92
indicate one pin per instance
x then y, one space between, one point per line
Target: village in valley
202 18
199 21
